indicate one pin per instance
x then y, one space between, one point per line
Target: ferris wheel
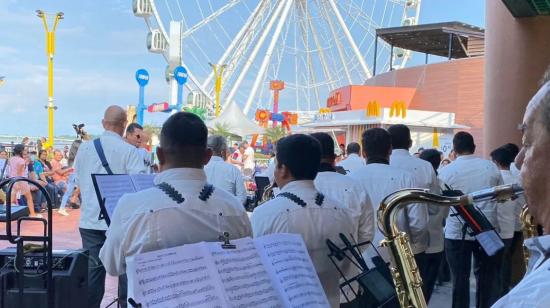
314 46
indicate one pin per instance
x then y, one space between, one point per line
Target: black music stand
373 285
45 238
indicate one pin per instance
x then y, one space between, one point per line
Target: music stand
372 286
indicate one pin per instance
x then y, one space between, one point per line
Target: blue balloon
142 77
180 74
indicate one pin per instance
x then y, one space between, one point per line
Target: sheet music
244 277
287 260
183 276
143 181
112 188
490 242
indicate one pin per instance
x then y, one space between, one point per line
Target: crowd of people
322 191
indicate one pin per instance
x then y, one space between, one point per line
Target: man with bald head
534 159
119 157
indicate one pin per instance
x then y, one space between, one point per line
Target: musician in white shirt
299 208
436 216
379 179
469 173
422 171
181 209
221 174
354 161
122 158
344 188
533 159
507 215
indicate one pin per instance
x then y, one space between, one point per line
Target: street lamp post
218 74
50 51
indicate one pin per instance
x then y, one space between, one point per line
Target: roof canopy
236 121
434 39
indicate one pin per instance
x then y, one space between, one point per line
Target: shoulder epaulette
292 197
171 192
319 199
206 192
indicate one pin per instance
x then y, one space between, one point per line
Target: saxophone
268 194
529 230
404 270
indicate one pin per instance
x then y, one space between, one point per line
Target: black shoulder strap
101 154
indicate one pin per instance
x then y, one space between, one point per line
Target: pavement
66 236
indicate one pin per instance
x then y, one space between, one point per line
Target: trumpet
405 273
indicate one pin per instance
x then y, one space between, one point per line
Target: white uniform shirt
249 160
468 174
146 157
349 192
509 211
225 176
314 223
424 175
532 290
352 163
122 158
150 220
380 180
436 216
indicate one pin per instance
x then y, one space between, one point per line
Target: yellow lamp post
218 74
50 50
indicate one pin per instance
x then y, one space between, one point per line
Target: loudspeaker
70 279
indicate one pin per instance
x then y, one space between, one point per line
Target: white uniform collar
465 157
297 187
538 247
353 155
180 174
400 152
109 133
215 158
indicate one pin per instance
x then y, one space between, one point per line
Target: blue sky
100 44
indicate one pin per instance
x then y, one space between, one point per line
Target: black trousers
459 256
506 267
93 240
429 272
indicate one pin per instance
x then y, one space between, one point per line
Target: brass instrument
405 273
529 230
268 194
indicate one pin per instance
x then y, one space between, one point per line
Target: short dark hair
376 142
400 136
463 143
353 147
18 149
301 154
132 127
327 145
183 136
502 156
432 156
512 148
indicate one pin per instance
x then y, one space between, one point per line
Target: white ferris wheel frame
246 36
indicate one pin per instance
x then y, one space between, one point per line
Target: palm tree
221 129
151 130
273 134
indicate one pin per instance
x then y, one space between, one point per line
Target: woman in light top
18 167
